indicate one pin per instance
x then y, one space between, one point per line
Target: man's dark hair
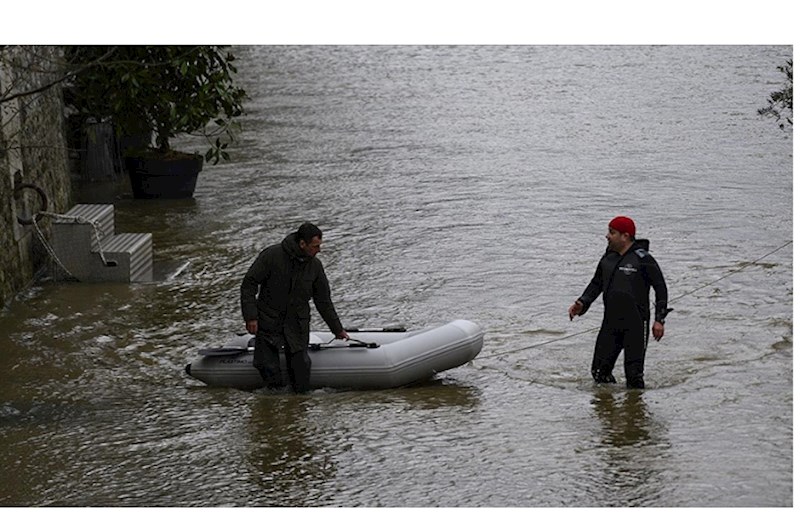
307 232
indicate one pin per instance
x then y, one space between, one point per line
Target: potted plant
159 92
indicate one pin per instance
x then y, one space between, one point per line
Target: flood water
450 182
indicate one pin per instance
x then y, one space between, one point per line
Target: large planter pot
172 178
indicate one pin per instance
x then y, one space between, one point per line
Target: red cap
624 225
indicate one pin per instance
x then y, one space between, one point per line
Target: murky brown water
466 182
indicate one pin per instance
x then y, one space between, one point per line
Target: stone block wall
32 150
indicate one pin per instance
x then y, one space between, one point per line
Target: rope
540 344
732 272
677 298
75 219
49 249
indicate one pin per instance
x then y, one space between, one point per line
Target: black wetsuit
625 281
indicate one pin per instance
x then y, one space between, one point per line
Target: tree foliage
163 90
780 102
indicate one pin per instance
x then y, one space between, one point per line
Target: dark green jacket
285 279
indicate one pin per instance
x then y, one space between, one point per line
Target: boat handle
355 343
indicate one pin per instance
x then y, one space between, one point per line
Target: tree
165 90
780 102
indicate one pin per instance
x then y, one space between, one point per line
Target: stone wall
32 150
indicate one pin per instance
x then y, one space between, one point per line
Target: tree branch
66 76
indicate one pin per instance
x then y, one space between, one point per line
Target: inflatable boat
371 359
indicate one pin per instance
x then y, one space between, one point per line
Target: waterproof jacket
625 282
284 278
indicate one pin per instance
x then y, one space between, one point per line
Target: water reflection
300 446
631 448
624 417
434 394
285 451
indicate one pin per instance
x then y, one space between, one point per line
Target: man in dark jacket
285 277
624 275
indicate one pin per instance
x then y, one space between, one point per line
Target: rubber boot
603 378
635 383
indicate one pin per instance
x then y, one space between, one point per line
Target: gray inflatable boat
377 359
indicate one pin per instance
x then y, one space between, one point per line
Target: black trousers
267 359
612 339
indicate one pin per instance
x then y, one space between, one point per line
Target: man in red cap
624 275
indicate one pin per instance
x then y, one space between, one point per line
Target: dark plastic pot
153 178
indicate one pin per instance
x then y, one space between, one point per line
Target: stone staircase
87 246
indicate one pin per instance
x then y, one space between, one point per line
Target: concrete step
128 258
101 215
81 249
